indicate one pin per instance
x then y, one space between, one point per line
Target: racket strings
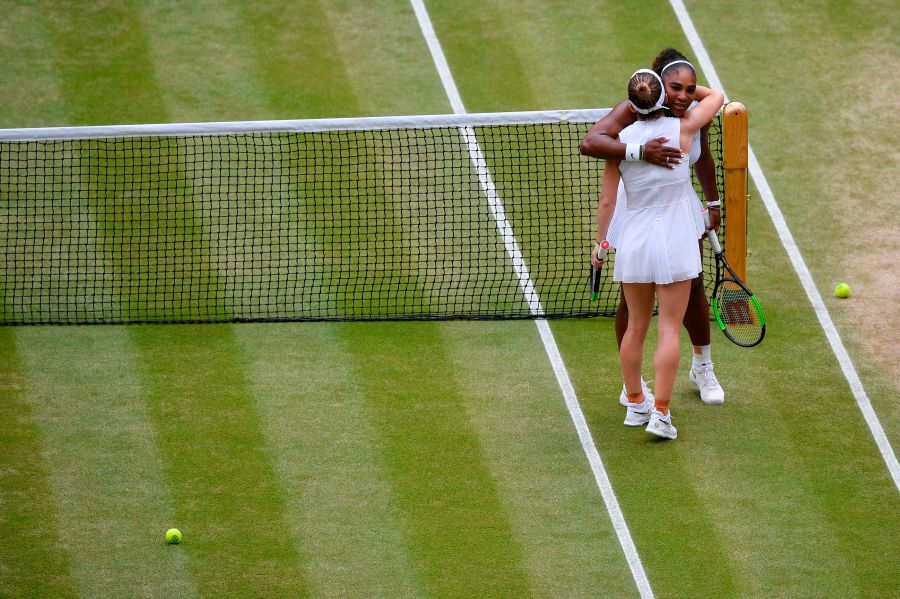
739 313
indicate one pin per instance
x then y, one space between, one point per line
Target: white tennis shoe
704 378
639 414
661 426
623 398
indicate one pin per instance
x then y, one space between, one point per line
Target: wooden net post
735 126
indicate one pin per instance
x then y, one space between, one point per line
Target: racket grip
714 241
595 272
595 284
711 234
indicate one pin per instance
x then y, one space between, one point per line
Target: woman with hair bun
655 239
680 81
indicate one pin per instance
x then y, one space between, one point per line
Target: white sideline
562 376
793 251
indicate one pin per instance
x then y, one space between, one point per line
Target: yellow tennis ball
842 290
173 536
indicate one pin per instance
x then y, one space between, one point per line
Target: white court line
793 251
512 248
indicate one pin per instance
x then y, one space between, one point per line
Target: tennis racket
736 309
595 272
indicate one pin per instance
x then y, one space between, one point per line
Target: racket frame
722 264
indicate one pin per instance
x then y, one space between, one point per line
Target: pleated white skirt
658 244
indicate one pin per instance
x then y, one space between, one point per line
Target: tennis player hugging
655 238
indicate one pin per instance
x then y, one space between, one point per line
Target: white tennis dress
622 199
656 234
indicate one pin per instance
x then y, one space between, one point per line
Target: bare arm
602 140
705 170
699 116
606 205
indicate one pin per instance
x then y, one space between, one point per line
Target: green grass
438 459
28 514
109 498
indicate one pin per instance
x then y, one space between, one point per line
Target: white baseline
515 254
793 251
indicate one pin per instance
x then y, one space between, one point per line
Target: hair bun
643 90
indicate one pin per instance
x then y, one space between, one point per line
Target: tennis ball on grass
842 290
173 536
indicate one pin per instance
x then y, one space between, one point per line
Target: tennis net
481 216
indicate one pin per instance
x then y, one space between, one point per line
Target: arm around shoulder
602 140
711 101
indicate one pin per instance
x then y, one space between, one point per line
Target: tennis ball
173 536
842 290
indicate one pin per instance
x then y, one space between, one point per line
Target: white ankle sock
704 357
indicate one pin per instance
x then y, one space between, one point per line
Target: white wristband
632 152
713 204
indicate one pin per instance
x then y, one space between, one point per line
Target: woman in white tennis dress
602 141
656 242
621 207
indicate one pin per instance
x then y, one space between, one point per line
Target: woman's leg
696 321
621 317
640 298
673 301
696 316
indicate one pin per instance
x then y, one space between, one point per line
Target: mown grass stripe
104 69
456 530
300 48
538 465
209 77
32 560
316 421
762 504
668 519
384 58
106 74
29 91
538 55
228 500
101 459
280 60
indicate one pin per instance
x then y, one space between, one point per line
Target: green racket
595 272
736 309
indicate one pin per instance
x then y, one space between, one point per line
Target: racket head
738 313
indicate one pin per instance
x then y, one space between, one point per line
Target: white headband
662 94
676 62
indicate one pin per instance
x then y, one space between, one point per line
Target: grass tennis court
436 458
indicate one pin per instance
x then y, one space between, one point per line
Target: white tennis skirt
658 244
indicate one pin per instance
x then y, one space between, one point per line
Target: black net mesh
383 224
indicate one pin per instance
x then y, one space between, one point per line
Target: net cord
306 125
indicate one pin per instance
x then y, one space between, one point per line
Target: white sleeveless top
622 198
656 240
